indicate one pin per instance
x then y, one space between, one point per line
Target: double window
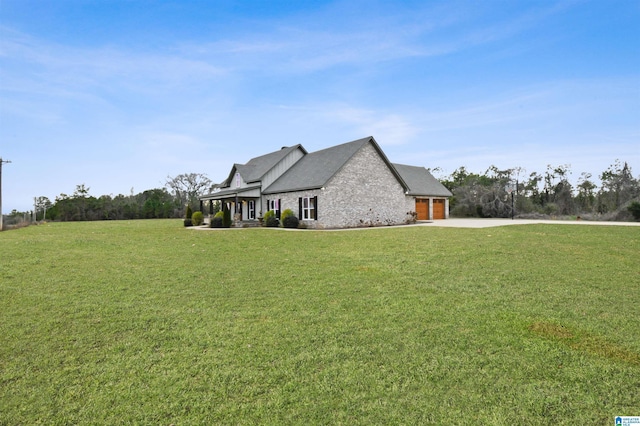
308 208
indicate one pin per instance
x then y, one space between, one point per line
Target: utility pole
1 217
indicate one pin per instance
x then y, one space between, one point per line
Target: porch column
446 208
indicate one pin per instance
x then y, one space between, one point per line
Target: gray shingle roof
257 167
421 182
315 169
227 192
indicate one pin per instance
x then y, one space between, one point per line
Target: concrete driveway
489 223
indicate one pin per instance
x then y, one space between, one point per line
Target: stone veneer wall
364 193
289 200
409 204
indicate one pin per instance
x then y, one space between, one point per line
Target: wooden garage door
438 209
422 208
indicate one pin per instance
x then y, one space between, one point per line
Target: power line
1 216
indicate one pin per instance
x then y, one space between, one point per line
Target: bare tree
187 187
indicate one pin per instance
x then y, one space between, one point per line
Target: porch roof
248 191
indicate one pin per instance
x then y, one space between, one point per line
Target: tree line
511 192
495 193
169 201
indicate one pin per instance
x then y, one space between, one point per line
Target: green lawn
146 322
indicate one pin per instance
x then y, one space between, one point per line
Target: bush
216 221
197 218
189 212
270 219
412 217
226 218
290 221
634 208
285 214
187 223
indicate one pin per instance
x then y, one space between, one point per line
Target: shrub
285 214
187 222
226 218
197 218
412 217
189 212
634 208
290 221
270 219
550 209
216 221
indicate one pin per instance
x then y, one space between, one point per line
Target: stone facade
364 192
289 200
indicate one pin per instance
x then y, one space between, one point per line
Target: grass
146 322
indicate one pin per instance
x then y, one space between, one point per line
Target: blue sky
118 95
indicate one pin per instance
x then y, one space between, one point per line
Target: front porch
244 205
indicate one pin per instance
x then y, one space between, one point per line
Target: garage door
438 209
422 209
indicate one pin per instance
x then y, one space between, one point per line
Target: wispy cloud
436 83
363 40
388 128
56 66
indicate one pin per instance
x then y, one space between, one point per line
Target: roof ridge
322 165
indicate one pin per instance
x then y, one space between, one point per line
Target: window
252 209
237 180
308 208
275 206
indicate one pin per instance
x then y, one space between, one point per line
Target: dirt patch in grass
581 341
550 330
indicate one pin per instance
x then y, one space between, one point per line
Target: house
344 186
